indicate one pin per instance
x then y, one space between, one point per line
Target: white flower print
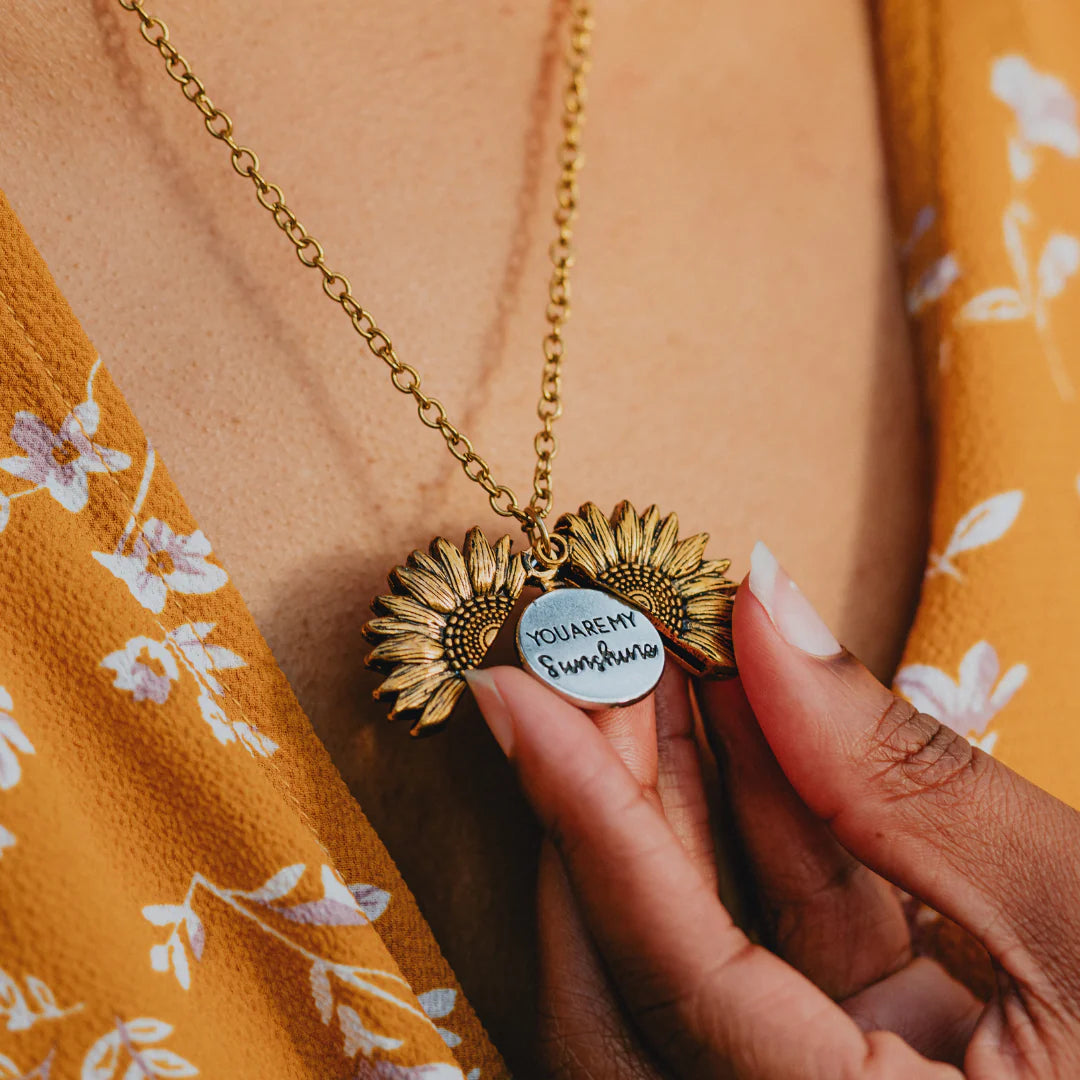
372 901
227 731
253 740
148 668
23 1007
439 1004
923 222
938 277
12 739
161 560
1045 112
358 1038
215 716
387 1070
128 1053
145 667
984 523
190 641
967 706
933 283
60 461
330 980
42 1071
1059 260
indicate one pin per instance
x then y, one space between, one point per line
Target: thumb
901 791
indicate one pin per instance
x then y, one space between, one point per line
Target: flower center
647 588
65 453
153 663
160 563
472 628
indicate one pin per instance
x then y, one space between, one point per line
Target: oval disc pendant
590 648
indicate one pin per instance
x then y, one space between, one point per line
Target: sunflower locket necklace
618 592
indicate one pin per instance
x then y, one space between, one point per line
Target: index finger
709 1002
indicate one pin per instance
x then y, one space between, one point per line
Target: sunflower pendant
622 590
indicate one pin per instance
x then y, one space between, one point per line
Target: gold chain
336 286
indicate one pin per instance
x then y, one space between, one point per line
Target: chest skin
737 350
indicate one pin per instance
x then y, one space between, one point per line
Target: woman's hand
838 788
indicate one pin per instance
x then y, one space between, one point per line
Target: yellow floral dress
186 886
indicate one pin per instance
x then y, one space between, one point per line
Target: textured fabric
186 885
982 130
980 113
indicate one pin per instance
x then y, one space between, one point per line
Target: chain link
404 377
549 407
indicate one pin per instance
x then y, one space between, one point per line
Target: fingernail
791 613
492 708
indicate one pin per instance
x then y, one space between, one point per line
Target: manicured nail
791 613
492 707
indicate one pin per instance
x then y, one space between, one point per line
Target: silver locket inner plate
590 648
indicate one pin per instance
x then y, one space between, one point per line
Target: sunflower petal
716 646
481 561
687 555
705 635
716 566
650 520
583 558
502 564
585 549
408 648
439 707
405 676
405 607
666 538
428 588
416 697
708 607
453 566
627 533
696 622
515 576
387 626
422 561
601 530
698 585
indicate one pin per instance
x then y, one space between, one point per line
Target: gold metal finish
549 408
445 608
550 551
406 378
443 614
642 562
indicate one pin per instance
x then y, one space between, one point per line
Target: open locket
618 592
